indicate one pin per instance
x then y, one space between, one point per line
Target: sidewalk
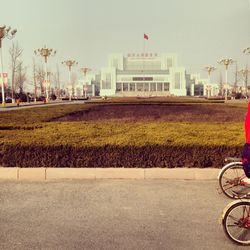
42 174
13 106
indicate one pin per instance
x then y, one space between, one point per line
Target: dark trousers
246 159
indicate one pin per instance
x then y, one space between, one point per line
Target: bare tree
220 84
34 78
236 77
40 76
57 81
21 76
74 78
37 78
15 54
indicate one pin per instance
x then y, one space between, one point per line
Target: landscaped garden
163 132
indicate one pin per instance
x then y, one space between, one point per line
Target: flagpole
144 45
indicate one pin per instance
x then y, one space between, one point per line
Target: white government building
143 74
150 74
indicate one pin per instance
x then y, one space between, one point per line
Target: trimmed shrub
147 156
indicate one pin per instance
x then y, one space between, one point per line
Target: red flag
145 36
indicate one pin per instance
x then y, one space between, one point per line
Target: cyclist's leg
246 159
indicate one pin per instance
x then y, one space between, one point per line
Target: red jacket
247 125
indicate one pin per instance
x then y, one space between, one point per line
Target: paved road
10 107
112 214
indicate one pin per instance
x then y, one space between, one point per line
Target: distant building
88 86
144 74
201 87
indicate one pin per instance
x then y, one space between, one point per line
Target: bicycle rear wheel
236 223
229 181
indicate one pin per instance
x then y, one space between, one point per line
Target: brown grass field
218 113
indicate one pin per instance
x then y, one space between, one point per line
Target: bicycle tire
231 186
244 230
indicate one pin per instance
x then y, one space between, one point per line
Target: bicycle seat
232 159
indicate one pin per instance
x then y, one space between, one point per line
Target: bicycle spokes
230 181
237 223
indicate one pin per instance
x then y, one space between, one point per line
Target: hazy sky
199 31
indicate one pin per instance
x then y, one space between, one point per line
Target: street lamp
209 70
4 33
45 52
226 62
244 73
70 64
84 71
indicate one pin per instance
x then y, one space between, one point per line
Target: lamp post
209 70
46 53
244 73
226 62
84 71
70 64
4 33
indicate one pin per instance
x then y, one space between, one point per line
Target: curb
42 174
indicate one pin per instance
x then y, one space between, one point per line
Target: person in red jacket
246 150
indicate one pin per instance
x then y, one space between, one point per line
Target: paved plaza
112 214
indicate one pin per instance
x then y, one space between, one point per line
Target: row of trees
18 70
19 80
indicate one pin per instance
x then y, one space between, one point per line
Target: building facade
196 86
145 74
88 86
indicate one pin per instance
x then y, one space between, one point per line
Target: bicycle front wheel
236 223
229 181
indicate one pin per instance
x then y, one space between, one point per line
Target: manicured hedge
116 156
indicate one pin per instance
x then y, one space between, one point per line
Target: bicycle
236 221
231 179
236 215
